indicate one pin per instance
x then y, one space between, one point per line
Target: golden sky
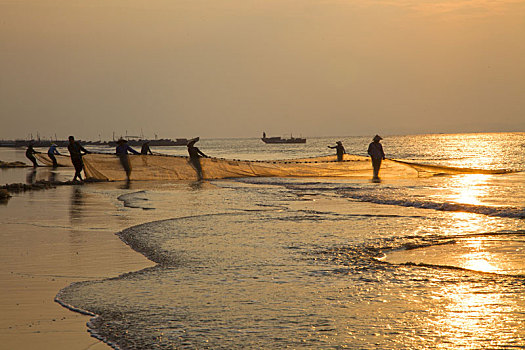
236 68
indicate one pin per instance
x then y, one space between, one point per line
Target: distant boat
64 143
278 139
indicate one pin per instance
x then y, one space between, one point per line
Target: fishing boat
278 139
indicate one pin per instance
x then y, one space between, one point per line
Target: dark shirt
30 151
53 150
340 150
124 148
375 150
195 152
75 150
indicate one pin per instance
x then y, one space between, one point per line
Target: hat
121 140
192 141
54 144
377 138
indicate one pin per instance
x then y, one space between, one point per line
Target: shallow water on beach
323 263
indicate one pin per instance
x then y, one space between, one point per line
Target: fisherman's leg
77 174
33 160
199 170
53 159
197 165
77 163
80 170
124 161
376 163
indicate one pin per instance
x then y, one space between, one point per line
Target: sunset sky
236 68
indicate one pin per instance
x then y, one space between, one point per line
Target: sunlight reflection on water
469 314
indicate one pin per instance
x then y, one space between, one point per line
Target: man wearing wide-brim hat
195 155
375 150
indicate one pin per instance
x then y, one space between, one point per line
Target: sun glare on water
479 264
470 189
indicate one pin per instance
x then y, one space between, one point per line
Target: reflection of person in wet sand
195 155
122 153
375 150
76 206
340 150
31 176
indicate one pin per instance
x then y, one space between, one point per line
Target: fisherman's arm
132 150
83 149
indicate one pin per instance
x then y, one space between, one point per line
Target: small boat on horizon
278 139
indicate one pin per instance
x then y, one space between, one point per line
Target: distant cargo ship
278 139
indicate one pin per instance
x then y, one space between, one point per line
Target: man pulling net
195 155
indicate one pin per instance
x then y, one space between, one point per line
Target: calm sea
319 263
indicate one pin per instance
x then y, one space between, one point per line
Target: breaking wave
504 212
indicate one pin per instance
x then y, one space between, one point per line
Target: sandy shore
50 239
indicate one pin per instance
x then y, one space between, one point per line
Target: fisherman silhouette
122 152
340 150
195 155
29 154
75 151
145 148
375 150
51 154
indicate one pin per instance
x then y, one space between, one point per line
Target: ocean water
323 263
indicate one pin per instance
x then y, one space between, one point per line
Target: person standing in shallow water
145 148
195 155
29 154
340 150
51 154
375 150
122 153
76 151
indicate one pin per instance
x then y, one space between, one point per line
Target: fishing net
62 160
167 167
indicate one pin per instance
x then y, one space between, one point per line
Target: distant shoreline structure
64 143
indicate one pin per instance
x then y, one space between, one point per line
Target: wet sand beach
55 237
51 239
